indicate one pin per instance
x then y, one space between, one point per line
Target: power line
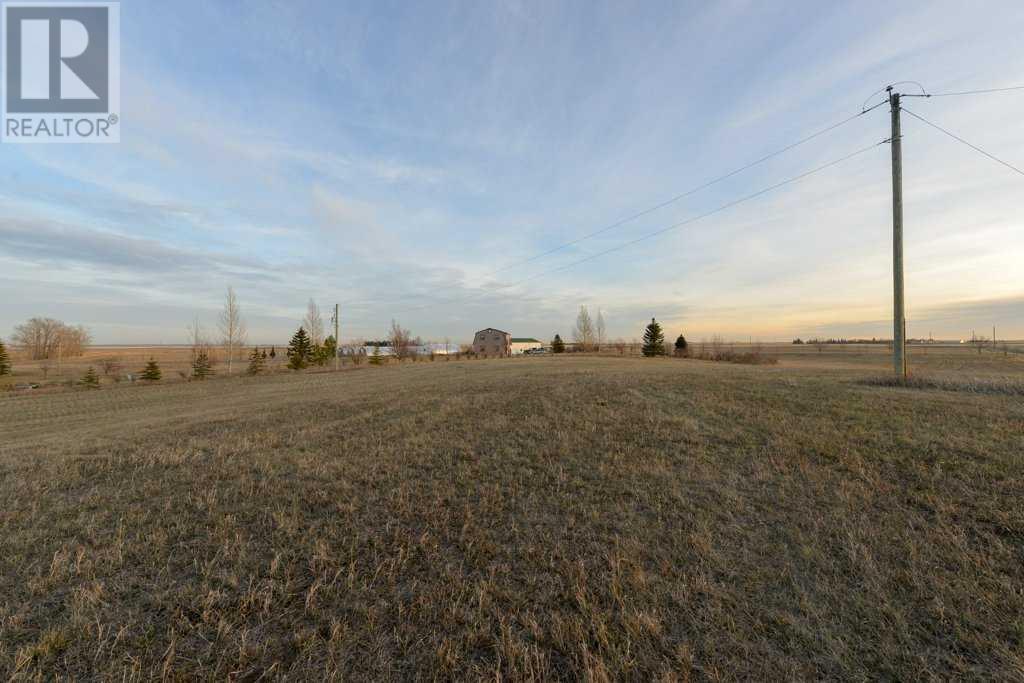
960 139
974 92
676 198
702 216
668 228
661 205
685 194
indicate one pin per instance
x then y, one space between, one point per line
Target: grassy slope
542 518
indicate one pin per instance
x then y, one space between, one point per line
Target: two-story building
492 343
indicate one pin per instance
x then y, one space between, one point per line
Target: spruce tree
654 340
330 348
557 345
681 346
90 379
256 362
201 366
273 352
5 361
264 355
299 350
376 359
152 371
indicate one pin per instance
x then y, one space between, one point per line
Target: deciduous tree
583 334
313 323
232 327
401 341
43 338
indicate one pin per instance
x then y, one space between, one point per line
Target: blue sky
392 157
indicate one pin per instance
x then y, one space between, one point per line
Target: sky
411 161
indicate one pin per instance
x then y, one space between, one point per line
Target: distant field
525 519
113 363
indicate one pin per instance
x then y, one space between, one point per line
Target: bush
5 361
151 373
90 379
201 366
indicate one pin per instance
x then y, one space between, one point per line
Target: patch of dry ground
542 518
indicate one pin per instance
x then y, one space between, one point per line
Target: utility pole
337 339
899 338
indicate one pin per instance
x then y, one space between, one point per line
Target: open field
175 361
537 518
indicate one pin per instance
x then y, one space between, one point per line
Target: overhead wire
663 230
960 139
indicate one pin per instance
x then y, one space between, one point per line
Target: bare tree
401 341
314 323
356 350
197 339
42 338
232 326
583 334
110 366
600 330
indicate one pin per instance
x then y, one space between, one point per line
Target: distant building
522 344
492 343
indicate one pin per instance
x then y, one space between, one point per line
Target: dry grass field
528 519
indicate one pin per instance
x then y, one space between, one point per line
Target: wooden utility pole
337 340
899 339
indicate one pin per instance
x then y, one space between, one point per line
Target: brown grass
564 517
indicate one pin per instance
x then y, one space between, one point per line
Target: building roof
525 340
491 329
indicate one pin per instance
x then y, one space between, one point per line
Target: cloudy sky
410 160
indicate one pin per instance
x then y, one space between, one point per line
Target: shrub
681 346
90 379
256 362
5 361
151 373
201 366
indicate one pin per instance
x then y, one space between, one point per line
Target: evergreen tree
299 350
376 359
330 348
264 356
90 379
152 371
557 345
5 361
273 352
256 363
201 366
654 340
318 355
681 346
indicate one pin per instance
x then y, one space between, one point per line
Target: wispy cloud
397 158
